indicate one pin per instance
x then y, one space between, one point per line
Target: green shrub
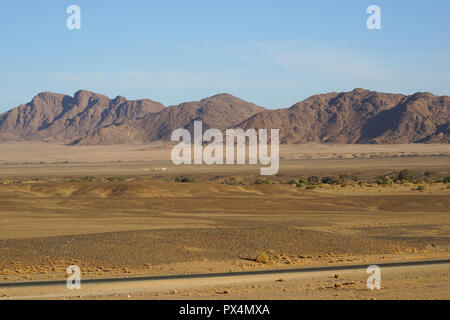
420 188
405 175
260 181
446 180
428 174
330 180
313 180
184 179
232 181
384 181
115 179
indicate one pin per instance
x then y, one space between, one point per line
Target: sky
272 53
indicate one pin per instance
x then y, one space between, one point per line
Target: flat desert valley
127 211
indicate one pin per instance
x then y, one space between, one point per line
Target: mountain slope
220 111
360 116
62 118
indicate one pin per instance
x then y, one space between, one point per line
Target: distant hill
61 118
221 111
359 116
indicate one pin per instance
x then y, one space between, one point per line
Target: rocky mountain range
359 116
56 117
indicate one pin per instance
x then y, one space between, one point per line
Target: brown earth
117 219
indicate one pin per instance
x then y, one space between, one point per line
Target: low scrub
115 179
184 179
262 258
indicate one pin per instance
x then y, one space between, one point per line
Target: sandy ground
146 224
20 153
399 282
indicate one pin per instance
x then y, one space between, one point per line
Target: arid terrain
121 211
359 116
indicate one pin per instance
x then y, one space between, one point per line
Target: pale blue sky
273 53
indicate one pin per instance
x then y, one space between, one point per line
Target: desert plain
127 211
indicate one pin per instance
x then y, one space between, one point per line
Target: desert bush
384 181
184 179
259 181
87 179
330 180
405 175
262 258
446 180
266 181
428 174
420 188
313 180
115 179
344 178
232 181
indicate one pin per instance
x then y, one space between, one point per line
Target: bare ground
146 224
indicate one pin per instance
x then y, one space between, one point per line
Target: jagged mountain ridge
359 116
62 118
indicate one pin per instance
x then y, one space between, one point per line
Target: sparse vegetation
313 180
262 258
115 179
184 179
420 188
404 176
330 180
235 181
428 174
384 181
261 181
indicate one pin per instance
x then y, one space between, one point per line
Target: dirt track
347 281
